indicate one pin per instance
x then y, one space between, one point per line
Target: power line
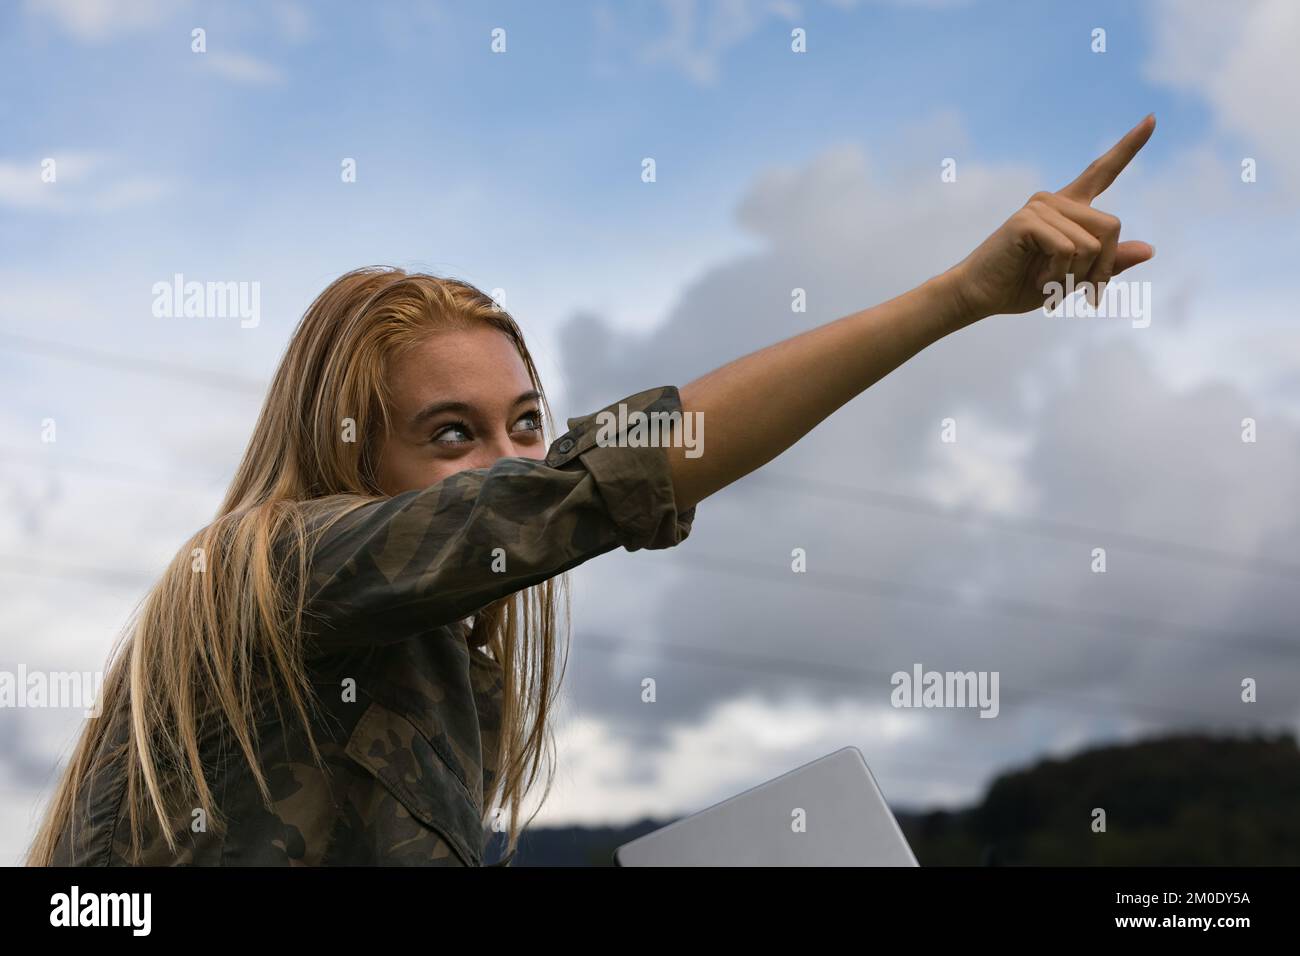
786 668
112 470
943 760
130 363
1022 524
815 488
840 583
59 571
810 487
855 675
857 585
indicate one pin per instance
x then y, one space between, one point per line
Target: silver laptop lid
826 813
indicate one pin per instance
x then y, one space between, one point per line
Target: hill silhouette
1186 800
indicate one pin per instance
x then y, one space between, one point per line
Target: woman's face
461 399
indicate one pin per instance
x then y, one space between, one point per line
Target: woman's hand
1055 234
759 405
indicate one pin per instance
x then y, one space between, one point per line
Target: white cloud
242 68
294 21
84 181
605 775
983 468
1242 61
22 183
700 33
97 21
1062 423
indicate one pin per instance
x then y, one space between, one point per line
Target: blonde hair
203 649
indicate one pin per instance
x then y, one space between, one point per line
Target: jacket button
565 445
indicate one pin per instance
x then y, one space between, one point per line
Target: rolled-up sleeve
633 481
393 567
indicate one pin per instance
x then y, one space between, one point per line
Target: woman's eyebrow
437 408
462 408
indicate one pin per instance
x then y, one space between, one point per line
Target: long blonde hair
202 649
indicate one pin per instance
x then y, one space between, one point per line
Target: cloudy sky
521 171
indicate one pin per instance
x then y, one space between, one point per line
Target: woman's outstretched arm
814 373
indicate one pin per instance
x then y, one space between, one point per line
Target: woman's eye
454 434
530 422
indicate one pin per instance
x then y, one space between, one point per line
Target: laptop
826 813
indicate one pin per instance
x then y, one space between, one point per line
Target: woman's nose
497 445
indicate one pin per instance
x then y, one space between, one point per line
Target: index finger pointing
1092 182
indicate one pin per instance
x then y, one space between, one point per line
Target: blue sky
521 171
492 164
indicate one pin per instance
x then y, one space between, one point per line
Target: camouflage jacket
409 755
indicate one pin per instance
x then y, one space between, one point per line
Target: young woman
356 661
